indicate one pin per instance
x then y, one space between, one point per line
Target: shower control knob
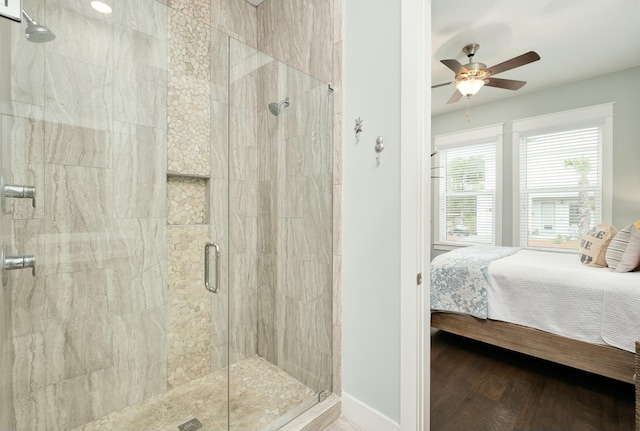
15 191
27 192
20 262
9 263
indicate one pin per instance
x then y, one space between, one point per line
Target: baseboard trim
365 416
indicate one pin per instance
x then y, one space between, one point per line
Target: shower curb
317 417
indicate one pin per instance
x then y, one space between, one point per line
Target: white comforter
554 292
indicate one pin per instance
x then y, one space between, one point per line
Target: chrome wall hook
379 148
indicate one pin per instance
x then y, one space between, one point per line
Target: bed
543 304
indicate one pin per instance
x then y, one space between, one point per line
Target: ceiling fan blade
456 96
508 84
518 61
454 65
442 85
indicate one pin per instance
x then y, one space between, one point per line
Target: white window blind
467 179
560 180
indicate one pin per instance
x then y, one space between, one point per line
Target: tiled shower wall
89 131
307 35
94 131
263 299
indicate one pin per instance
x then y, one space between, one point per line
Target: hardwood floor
475 386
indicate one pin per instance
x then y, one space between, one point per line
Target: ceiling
576 39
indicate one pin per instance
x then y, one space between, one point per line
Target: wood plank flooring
475 386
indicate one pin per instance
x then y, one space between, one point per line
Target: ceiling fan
471 77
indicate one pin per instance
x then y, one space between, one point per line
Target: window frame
462 139
591 116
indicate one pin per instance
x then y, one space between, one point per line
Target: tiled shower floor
260 393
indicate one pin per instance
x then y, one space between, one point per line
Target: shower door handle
216 288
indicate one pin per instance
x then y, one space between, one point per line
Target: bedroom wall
371 207
612 87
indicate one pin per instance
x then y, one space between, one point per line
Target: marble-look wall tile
336 373
337 220
189 309
6 292
78 333
82 33
139 344
139 153
295 211
30 403
337 79
267 276
145 16
242 342
90 329
337 20
317 217
140 77
321 42
237 18
66 144
68 404
219 66
299 34
78 93
29 376
337 149
337 190
189 97
28 311
186 201
69 252
68 209
27 87
219 212
27 166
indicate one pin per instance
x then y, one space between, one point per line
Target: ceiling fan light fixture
469 87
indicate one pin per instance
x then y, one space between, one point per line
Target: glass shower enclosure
147 135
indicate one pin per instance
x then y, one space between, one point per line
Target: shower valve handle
15 191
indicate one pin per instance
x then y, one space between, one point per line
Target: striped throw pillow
623 253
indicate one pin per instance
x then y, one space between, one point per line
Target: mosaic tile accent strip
198 9
186 201
189 93
189 307
260 393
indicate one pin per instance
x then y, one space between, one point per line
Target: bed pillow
593 246
623 253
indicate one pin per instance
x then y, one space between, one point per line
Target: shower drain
192 425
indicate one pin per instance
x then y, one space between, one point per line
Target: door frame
415 206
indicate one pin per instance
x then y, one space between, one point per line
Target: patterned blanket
459 279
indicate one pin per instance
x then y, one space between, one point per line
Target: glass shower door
280 240
116 329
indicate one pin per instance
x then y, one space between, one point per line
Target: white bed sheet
556 293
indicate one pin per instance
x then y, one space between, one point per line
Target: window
562 176
467 168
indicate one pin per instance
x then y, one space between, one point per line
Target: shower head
276 108
35 32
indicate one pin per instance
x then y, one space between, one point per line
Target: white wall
371 206
619 87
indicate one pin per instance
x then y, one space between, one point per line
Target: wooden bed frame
637 386
603 360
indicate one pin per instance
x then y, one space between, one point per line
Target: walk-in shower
144 139
276 108
35 32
